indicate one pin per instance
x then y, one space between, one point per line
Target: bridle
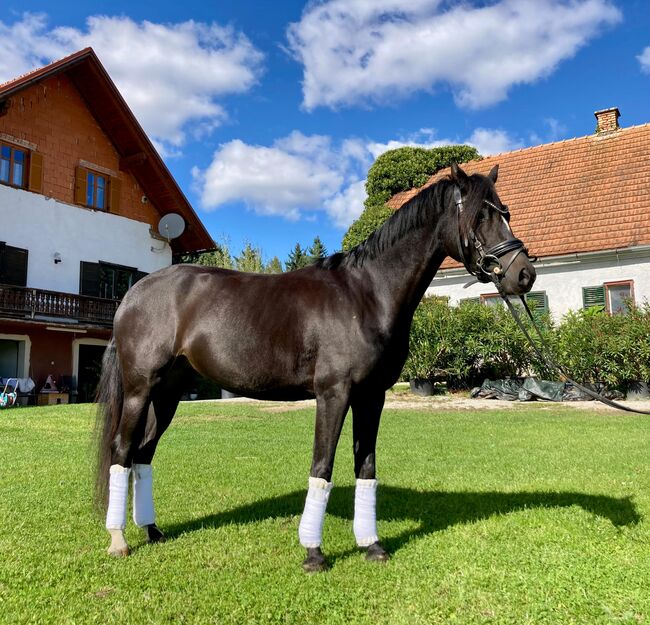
490 269
488 266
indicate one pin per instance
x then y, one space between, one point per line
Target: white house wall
562 279
45 226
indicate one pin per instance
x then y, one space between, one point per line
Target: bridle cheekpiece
488 266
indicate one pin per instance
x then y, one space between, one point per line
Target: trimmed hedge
468 343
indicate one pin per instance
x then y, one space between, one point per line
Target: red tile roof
581 195
130 140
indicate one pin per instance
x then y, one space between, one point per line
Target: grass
530 515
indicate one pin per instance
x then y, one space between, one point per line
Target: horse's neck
404 271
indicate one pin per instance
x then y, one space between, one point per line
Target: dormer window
13 166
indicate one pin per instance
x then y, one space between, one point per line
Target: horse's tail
110 397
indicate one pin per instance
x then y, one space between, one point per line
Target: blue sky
269 114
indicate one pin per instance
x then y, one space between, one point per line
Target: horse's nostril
524 277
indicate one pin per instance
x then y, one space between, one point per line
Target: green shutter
89 279
13 265
538 302
593 296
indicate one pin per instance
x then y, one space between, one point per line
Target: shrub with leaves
465 344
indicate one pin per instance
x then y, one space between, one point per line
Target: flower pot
638 390
423 388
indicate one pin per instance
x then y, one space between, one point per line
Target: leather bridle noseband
488 265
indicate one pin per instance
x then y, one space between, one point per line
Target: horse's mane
423 207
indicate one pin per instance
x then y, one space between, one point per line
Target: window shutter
35 182
593 296
538 301
89 279
114 190
13 266
80 182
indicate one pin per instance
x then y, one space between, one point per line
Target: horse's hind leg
128 435
366 412
165 399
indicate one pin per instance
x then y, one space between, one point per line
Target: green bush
468 343
465 344
400 170
593 346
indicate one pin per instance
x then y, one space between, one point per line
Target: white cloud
171 75
347 205
361 51
644 59
488 141
297 173
300 174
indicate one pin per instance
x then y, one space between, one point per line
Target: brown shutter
35 182
115 188
80 181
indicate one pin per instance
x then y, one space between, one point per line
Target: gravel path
446 402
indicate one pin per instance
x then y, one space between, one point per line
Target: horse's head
485 242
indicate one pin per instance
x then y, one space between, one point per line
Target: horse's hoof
154 535
315 561
377 553
118 552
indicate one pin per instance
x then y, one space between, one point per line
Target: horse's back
247 331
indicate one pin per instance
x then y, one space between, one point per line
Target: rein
495 272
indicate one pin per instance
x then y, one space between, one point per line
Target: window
13 265
537 301
97 190
107 280
611 296
13 165
493 299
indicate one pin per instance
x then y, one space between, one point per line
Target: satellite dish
171 226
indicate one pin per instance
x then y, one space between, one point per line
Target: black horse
337 331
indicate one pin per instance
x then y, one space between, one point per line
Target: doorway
90 367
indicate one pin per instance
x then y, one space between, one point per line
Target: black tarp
528 389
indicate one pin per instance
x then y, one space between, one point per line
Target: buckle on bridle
489 264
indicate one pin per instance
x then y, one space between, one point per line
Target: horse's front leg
366 412
331 407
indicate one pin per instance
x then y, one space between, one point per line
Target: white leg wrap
143 510
118 495
365 517
310 531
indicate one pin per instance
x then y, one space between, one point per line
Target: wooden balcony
39 305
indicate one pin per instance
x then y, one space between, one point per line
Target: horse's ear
458 175
494 173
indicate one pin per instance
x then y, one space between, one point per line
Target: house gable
131 152
52 119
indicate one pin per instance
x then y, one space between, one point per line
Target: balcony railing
27 303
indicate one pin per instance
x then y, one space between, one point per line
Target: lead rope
547 360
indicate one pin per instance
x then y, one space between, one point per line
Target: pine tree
273 266
298 258
317 250
250 260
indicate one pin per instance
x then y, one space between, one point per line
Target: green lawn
536 514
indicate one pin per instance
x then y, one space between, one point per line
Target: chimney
607 120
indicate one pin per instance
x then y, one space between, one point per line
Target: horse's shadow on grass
432 510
